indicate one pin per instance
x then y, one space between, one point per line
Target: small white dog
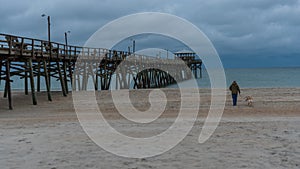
249 100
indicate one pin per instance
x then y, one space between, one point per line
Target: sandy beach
49 136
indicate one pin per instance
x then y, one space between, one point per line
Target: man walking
235 90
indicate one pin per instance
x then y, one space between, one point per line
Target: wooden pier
34 59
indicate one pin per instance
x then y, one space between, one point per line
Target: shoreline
267 102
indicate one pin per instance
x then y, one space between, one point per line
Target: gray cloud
260 32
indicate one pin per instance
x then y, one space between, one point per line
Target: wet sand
49 135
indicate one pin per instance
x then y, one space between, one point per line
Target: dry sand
49 135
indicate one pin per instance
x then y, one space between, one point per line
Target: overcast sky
253 33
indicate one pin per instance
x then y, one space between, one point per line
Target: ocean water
268 77
255 78
246 78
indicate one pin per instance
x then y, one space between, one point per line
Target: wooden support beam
97 79
47 80
5 89
78 81
61 79
65 76
26 78
7 84
91 72
31 76
71 67
84 76
49 72
39 77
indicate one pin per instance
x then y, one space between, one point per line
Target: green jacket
235 89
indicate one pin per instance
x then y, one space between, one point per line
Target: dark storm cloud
245 33
252 30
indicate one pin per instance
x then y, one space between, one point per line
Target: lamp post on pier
66 40
66 37
133 46
48 80
167 50
49 32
